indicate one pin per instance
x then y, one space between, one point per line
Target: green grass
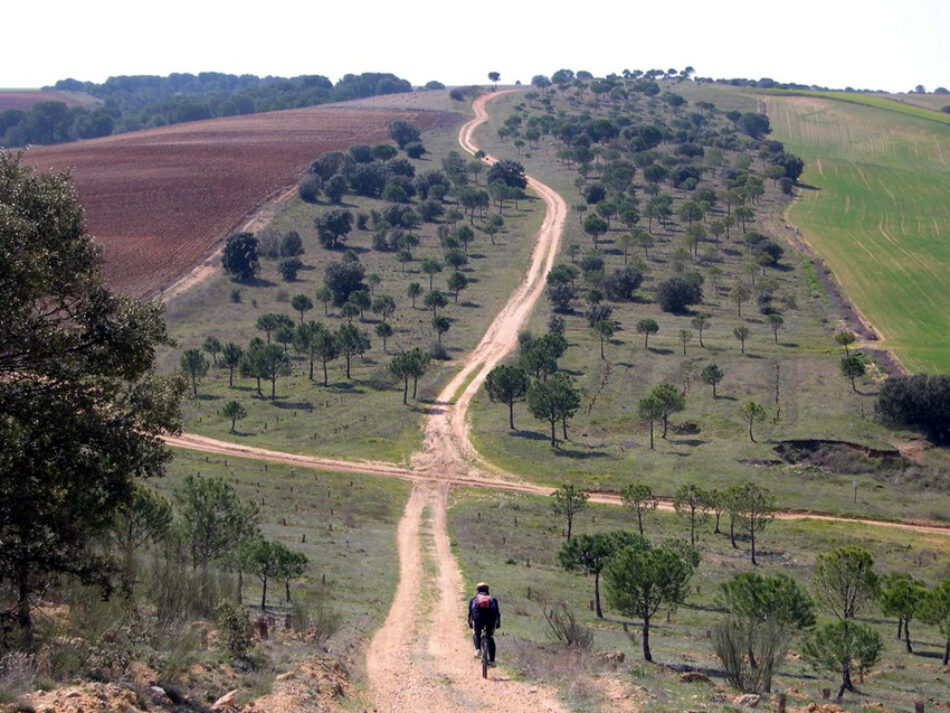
363 417
873 100
610 445
511 541
876 211
346 520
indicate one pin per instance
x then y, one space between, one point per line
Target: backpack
482 601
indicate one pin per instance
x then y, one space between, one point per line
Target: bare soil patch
160 201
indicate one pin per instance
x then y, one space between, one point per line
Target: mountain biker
483 611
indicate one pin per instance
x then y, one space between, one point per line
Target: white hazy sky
879 44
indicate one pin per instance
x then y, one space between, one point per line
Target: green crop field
878 214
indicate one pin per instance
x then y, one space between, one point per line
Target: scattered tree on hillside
691 501
764 614
900 595
507 385
845 338
588 554
752 413
646 327
845 580
568 500
194 365
639 579
844 646
853 367
555 399
712 375
234 411
640 498
741 333
934 609
239 257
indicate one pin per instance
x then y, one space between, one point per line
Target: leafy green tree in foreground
639 579
901 596
588 554
260 558
145 517
845 580
844 646
934 609
507 385
82 408
764 614
568 500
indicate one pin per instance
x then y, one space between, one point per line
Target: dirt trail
424 662
447 447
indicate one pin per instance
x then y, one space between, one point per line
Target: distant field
879 214
918 108
158 200
24 99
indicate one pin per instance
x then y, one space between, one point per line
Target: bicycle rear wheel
484 654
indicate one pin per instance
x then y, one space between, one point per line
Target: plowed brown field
162 199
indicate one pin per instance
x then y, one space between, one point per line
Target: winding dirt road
421 657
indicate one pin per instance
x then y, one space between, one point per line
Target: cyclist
483 611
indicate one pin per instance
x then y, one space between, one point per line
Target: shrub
315 617
289 267
677 293
308 188
415 149
236 632
919 401
563 625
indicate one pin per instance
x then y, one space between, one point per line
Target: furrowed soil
161 200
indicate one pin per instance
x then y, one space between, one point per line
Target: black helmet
481 587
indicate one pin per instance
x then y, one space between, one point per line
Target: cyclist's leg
477 637
490 635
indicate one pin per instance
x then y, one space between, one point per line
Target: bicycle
483 632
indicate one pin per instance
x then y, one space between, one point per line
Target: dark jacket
494 611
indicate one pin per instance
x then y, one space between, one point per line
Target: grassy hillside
795 373
878 215
512 542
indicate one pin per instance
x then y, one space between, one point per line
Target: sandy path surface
421 659
447 447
